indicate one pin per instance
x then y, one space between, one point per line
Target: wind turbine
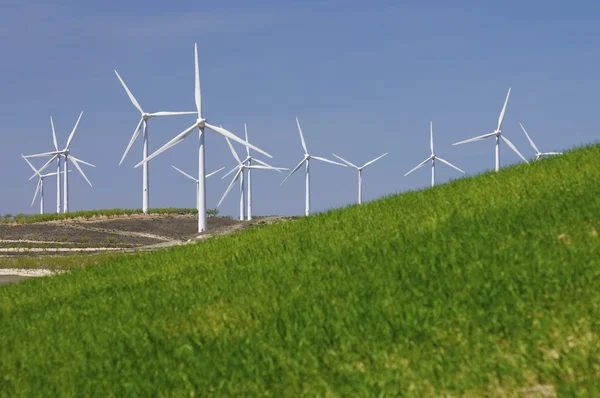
40 185
433 158
360 169
143 126
498 134
306 160
195 179
58 185
248 161
538 154
241 167
200 124
66 154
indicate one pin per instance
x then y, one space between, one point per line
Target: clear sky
364 78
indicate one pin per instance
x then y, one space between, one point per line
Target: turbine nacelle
201 122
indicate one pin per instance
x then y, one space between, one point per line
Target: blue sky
363 77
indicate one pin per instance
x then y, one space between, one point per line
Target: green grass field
486 286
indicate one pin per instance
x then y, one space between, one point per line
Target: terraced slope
488 286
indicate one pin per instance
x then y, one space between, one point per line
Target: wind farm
380 274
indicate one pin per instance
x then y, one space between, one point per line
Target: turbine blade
37 189
431 136
293 171
529 139
43 167
552 153
345 161
73 131
373 161
449 164
510 144
419 166
501 118
81 161
39 155
267 168
167 113
214 172
198 96
233 152
136 132
481 137
328 161
185 174
53 134
30 165
233 137
235 178
246 135
263 163
229 173
76 164
131 97
302 137
169 144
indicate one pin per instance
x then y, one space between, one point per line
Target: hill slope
484 286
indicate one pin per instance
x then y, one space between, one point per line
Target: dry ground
123 233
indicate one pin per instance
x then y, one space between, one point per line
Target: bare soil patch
122 233
63 233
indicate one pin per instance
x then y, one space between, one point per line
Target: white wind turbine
360 169
498 134
196 180
40 185
248 161
66 154
433 158
538 154
200 124
307 158
241 167
58 183
143 127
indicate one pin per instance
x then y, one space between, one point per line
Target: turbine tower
433 158
306 160
538 154
360 169
498 134
241 167
66 154
200 124
143 126
248 161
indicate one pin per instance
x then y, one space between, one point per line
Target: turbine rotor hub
201 122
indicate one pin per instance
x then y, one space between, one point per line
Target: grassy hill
487 286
